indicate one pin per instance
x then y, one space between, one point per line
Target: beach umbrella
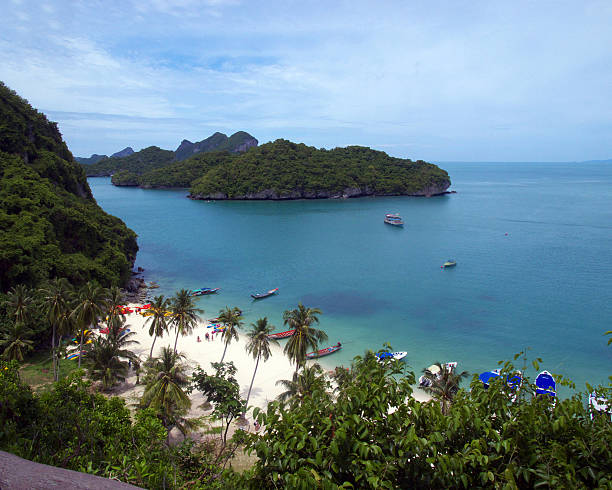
433 369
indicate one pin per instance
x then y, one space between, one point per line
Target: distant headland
237 168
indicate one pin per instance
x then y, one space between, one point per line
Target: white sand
204 352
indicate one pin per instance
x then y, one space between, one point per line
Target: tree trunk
246 405
53 353
152 345
224 350
81 346
176 340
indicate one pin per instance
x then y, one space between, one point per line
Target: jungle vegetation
50 225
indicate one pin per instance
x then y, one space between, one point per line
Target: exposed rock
271 194
123 153
20 474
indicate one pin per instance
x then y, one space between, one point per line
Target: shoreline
265 390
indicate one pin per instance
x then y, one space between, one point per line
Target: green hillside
50 225
140 162
286 170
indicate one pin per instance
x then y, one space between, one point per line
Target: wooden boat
264 295
324 352
203 291
394 219
282 335
449 263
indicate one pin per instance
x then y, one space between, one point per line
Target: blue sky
434 80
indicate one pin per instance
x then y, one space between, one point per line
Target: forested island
286 170
131 163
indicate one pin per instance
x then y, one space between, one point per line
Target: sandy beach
202 353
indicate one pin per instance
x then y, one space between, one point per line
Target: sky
434 80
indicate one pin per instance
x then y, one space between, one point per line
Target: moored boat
203 291
383 356
599 406
264 295
394 219
324 352
282 335
449 263
546 384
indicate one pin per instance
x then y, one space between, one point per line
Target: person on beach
199 339
207 337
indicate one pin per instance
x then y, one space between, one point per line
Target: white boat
391 355
599 405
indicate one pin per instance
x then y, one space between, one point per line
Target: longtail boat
203 291
264 295
394 219
282 335
324 352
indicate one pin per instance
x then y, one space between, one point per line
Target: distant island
131 163
283 170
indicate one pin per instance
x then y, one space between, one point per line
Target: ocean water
533 244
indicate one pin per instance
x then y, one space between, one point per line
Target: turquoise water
533 243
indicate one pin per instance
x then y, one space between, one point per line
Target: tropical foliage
303 384
231 318
183 314
283 169
139 162
306 338
157 322
50 225
222 390
443 384
258 346
166 382
373 434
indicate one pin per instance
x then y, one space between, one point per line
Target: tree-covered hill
286 170
139 162
50 225
178 174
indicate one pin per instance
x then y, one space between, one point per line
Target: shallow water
533 243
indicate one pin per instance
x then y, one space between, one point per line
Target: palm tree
106 364
90 302
65 326
302 384
305 337
56 298
19 301
444 384
258 346
184 314
114 301
166 381
158 324
231 318
15 342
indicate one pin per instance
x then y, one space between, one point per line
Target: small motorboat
394 220
449 263
324 352
264 295
385 356
546 384
599 406
281 335
203 291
